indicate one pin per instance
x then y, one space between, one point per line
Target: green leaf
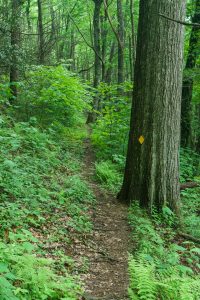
3 267
196 250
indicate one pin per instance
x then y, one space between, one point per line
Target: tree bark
97 65
28 5
104 33
152 168
15 47
132 40
120 18
187 90
41 54
72 51
108 76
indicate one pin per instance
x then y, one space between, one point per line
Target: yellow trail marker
141 139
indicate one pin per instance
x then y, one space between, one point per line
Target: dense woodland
100 149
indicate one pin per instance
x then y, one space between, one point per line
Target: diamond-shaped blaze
141 139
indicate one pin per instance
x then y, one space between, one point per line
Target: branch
85 70
189 185
189 237
112 26
90 46
180 22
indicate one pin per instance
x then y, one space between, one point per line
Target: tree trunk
120 18
41 54
108 76
72 51
97 64
198 136
193 53
28 5
131 57
15 47
152 167
104 33
132 39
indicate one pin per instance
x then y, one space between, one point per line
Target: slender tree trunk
108 76
104 33
193 54
72 50
28 14
132 39
120 18
41 54
198 136
97 64
15 47
131 57
152 166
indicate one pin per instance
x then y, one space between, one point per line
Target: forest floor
106 248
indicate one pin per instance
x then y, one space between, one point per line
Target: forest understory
99 150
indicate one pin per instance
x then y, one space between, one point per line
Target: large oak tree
152 167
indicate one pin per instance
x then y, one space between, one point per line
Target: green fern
147 284
142 280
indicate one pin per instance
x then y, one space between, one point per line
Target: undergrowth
44 203
163 266
107 173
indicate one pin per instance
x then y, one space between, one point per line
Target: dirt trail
107 247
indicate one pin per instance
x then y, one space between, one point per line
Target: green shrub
53 96
37 179
108 174
110 133
190 210
147 284
189 165
5 92
160 268
25 276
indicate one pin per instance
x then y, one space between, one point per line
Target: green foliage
108 174
189 164
53 95
191 204
110 133
31 163
39 189
190 171
78 196
4 92
160 268
149 240
25 276
147 284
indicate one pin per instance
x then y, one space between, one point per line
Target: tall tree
41 54
104 33
132 42
193 54
152 165
97 63
120 18
108 76
15 45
